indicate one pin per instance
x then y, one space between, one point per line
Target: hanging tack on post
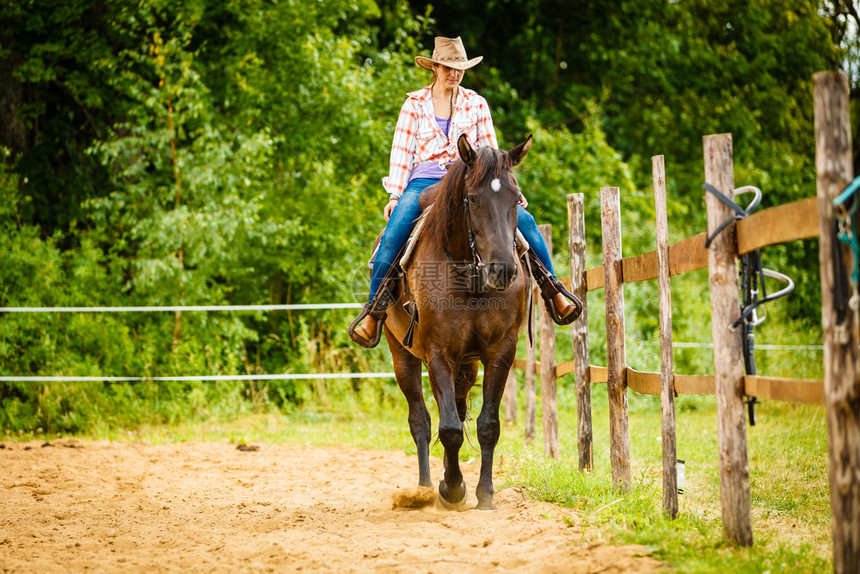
839 319
579 328
667 362
548 401
728 345
619 434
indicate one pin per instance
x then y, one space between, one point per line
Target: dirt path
190 507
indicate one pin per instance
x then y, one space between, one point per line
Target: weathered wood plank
789 390
598 374
667 362
644 383
619 439
807 391
639 268
839 322
728 346
579 330
780 224
696 384
565 368
594 278
688 255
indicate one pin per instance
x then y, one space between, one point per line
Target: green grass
790 500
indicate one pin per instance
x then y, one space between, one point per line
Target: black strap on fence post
752 277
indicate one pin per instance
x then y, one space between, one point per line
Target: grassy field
787 454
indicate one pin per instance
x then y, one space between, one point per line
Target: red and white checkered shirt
417 137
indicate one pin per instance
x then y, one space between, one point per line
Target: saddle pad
413 238
521 243
375 249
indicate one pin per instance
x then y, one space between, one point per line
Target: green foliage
203 152
562 163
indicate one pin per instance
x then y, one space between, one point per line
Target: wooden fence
839 391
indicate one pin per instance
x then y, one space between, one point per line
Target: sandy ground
208 507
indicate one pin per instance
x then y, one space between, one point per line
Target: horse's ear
519 152
467 154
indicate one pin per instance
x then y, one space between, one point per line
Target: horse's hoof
486 504
484 493
447 494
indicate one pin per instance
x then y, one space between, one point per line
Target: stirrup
559 287
376 308
549 285
366 343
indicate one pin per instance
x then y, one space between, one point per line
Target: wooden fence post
839 321
667 361
728 345
619 434
579 329
548 401
510 397
531 371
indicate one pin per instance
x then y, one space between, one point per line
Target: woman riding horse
425 144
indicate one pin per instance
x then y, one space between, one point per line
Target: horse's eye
473 200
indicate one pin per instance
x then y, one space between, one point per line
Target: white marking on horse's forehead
496 185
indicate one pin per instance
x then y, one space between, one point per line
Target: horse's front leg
495 376
407 369
452 489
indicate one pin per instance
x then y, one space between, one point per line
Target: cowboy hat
448 52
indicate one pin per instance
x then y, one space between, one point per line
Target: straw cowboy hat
448 52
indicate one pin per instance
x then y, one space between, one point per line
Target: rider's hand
386 213
523 201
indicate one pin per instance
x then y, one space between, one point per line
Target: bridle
477 266
476 271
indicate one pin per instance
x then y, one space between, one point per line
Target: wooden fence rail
807 391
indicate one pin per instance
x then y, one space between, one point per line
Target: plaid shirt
417 137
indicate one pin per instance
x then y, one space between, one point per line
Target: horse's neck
458 244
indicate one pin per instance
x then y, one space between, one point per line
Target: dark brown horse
470 290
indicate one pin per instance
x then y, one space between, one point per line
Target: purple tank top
430 169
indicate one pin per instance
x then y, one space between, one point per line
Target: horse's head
490 206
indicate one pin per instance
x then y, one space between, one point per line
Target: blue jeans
527 226
403 218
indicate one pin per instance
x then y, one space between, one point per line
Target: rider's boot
563 306
366 329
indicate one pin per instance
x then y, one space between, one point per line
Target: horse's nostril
500 275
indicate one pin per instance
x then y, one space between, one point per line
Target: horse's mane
446 217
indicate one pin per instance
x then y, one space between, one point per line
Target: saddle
425 201
428 196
